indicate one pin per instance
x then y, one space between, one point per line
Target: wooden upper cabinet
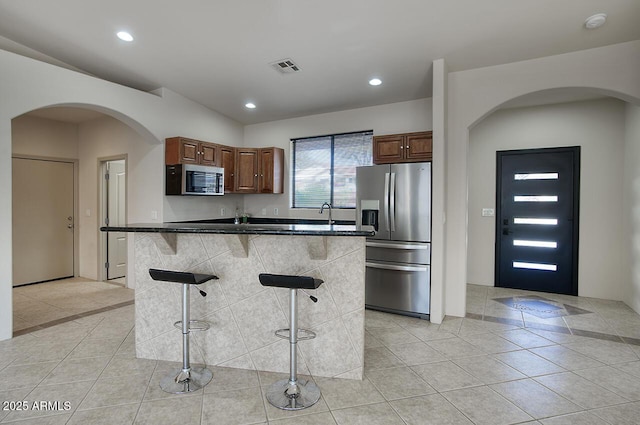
408 147
228 162
271 167
209 154
418 147
246 170
180 150
388 149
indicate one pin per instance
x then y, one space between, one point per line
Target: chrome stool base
180 381
286 395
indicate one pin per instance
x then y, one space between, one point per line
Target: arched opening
82 138
597 121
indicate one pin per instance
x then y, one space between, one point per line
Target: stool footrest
303 334
194 325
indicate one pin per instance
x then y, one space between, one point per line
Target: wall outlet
275 211
87 212
222 212
154 215
264 211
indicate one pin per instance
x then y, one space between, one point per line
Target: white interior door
43 220
116 185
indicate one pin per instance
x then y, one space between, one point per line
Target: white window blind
324 169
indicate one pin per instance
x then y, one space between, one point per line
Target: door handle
392 202
70 226
386 200
409 246
396 267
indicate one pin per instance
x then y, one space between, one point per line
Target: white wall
438 191
27 84
102 138
34 136
598 127
392 118
631 192
474 94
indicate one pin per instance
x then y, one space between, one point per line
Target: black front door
537 219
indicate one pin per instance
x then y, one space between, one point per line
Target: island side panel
243 314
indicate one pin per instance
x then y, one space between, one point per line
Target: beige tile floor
500 365
45 304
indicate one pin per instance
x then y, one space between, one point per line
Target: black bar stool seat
289 282
292 393
180 277
187 379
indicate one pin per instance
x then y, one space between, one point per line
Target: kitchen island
242 313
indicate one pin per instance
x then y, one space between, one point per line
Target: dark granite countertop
256 227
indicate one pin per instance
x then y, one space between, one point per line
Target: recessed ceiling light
375 81
124 36
250 105
595 21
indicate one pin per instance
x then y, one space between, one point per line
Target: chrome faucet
328 205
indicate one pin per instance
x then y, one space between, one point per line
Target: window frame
331 169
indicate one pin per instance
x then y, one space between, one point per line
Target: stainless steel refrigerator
396 200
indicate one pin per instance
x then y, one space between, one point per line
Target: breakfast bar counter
242 313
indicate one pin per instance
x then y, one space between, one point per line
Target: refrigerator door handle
386 200
392 201
396 267
397 246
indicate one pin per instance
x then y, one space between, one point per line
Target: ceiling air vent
285 66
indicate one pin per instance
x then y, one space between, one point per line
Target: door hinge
106 176
106 265
106 221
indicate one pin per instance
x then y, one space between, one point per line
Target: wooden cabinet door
246 170
388 149
189 151
228 162
418 147
265 182
208 154
271 170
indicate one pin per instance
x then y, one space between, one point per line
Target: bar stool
293 393
187 379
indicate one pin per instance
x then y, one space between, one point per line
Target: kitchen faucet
328 205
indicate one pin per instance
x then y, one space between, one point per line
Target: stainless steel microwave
188 179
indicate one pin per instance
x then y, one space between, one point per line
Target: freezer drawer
399 252
404 288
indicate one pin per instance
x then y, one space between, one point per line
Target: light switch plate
488 212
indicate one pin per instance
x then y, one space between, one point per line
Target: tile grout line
60 362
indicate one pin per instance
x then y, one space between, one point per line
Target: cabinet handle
401 147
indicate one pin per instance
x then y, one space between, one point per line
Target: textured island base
242 313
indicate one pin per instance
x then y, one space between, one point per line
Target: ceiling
217 52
